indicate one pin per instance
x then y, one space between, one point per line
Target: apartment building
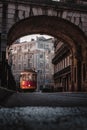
36 54
62 67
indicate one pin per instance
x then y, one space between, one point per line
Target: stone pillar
79 75
3 43
84 76
84 70
86 80
3 60
72 74
76 70
0 59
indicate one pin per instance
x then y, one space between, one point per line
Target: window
19 66
46 46
19 57
25 56
31 45
19 48
40 45
55 70
30 55
68 61
25 47
41 65
41 55
24 66
33 77
65 62
31 65
60 65
13 66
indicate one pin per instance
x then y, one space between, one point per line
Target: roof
28 70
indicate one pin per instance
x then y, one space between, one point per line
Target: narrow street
46 99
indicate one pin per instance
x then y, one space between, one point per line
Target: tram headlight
29 85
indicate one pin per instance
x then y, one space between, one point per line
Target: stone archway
61 29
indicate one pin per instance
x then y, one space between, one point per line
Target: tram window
27 77
20 78
23 77
30 77
33 77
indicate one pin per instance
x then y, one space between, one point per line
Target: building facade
73 1
36 54
62 67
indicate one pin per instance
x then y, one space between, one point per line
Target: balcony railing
62 72
60 54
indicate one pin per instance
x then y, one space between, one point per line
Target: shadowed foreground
46 99
43 111
43 118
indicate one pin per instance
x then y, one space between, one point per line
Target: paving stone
43 118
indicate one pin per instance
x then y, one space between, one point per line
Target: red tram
28 80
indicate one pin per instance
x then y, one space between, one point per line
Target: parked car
47 88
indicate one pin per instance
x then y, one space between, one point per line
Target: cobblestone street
44 111
43 118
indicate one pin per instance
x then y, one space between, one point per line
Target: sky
29 37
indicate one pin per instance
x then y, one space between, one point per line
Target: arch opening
60 29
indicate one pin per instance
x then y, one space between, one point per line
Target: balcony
62 72
60 54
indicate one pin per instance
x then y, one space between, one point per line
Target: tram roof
28 70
